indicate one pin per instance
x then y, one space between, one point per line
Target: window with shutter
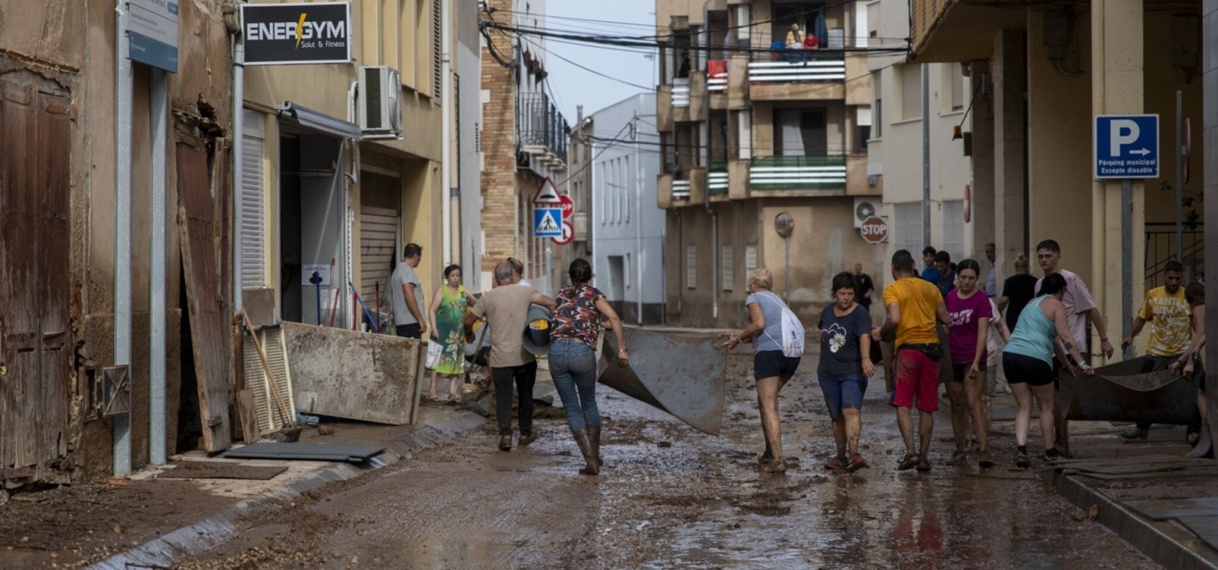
729 270
437 50
691 266
253 203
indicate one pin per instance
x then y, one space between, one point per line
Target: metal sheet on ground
221 470
680 372
306 452
209 313
1160 510
1205 527
1120 392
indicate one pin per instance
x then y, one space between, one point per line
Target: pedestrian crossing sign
547 222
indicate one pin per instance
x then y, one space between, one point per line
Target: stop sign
874 230
567 204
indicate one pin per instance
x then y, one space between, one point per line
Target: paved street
673 497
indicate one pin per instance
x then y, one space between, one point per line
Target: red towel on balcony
716 67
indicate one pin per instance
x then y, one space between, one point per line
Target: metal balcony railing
797 172
797 66
716 180
541 127
680 189
680 92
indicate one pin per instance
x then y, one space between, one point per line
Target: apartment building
898 154
523 140
764 152
1044 74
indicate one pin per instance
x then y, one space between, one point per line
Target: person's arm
472 317
615 324
1003 330
864 337
539 299
1134 331
1003 302
890 324
1098 320
431 313
1194 348
756 325
412 305
1060 323
983 329
944 316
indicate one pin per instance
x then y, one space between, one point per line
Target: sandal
909 462
857 462
836 464
923 465
777 466
765 457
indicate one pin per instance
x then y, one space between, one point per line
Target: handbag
433 355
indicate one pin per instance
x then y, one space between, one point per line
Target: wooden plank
249 416
209 314
54 279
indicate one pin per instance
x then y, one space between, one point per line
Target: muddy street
673 497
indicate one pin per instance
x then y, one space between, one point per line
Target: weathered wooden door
209 313
35 278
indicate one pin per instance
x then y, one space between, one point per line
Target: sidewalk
1147 492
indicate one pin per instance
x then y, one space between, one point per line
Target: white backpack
792 331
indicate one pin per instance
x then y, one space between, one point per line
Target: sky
573 86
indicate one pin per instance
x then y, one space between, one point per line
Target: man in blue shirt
929 273
946 275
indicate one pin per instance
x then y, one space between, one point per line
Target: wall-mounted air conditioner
380 109
865 208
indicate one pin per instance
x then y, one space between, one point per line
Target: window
907 228
253 203
691 266
911 91
626 271
877 107
862 121
750 259
437 50
800 132
953 228
729 270
953 87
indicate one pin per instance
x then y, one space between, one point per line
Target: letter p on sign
1123 132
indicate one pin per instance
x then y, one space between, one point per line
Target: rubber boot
585 447
594 437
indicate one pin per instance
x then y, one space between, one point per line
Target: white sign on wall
152 32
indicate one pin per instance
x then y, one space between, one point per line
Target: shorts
917 379
843 393
412 330
960 371
1025 369
771 363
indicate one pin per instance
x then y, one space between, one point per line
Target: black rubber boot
594 437
585 447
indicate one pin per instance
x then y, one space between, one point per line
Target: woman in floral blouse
572 357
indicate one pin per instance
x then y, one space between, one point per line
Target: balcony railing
716 180
798 65
542 128
680 92
798 173
680 189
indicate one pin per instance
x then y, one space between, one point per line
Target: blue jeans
573 367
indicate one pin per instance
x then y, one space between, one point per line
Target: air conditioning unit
865 208
380 109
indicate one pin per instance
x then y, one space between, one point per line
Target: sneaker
909 462
1052 455
958 458
984 460
1021 459
526 438
1134 432
505 443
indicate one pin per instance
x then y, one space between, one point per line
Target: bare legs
926 425
771 426
1023 417
960 411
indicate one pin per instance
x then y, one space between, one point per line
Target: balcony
797 75
716 181
798 173
953 30
680 92
542 130
680 189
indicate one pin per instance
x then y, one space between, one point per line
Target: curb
1168 544
225 525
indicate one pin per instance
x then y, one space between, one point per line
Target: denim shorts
844 392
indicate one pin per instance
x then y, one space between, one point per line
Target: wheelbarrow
1121 392
681 372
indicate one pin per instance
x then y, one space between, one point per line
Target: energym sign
296 33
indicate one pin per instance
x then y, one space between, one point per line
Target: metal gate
35 331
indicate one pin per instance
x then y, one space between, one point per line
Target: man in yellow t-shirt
913 307
1170 319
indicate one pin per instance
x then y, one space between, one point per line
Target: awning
318 122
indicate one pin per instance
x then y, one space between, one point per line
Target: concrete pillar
1008 73
1209 148
984 207
1116 88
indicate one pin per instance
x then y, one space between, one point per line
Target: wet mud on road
672 497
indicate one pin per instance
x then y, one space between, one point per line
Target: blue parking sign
547 222
1126 146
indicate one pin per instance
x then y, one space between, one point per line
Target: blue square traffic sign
1126 146
547 222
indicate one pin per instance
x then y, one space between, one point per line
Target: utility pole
638 222
925 155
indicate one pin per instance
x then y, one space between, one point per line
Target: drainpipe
159 108
925 154
638 224
123 87
446 99
706 155
238 164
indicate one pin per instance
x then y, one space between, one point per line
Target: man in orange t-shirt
914 305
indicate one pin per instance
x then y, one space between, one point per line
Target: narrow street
673 497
